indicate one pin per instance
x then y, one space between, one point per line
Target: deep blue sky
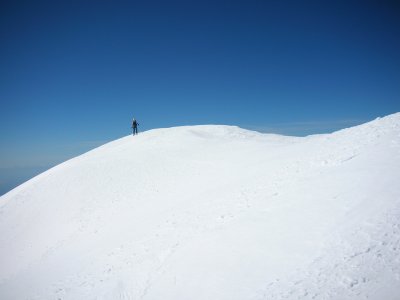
72 74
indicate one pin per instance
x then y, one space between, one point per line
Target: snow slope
211 212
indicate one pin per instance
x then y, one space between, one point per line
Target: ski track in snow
217 213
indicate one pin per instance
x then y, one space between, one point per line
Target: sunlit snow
211 212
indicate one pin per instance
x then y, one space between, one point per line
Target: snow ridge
211 212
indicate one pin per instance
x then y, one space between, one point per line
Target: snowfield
211 213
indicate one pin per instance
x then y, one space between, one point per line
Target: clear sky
74 73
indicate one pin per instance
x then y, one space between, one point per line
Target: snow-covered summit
211 212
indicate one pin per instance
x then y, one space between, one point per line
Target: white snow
211 212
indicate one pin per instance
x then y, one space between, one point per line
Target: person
134 126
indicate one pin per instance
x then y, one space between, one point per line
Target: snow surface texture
211 212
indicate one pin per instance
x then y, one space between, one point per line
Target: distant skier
135 124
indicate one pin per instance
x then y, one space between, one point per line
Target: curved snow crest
232 132
209 132
211 212
173 134
386 123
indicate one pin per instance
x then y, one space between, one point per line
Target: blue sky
73 73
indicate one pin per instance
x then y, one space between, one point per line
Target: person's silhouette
135 124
